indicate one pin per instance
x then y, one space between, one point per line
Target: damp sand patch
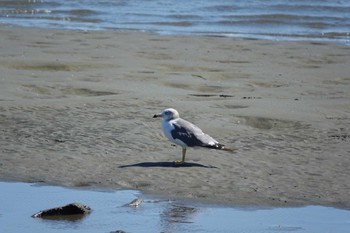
58 66
47 92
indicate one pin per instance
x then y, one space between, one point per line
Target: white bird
186 134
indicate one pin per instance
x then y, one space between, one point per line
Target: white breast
167 128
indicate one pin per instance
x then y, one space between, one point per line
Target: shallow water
277 19
18 201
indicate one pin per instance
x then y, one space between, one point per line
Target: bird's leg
183 157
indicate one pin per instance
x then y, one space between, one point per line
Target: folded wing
192 136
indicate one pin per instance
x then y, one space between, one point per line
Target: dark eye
167 113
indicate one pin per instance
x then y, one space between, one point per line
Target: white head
168 114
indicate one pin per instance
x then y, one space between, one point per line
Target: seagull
186 134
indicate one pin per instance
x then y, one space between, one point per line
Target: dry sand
76 110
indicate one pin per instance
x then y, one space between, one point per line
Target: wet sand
76 110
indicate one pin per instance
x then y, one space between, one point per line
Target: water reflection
68 218
175 214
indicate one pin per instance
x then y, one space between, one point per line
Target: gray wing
192 135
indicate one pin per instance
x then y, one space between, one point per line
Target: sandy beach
76 110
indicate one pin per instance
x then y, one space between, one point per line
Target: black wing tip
221 147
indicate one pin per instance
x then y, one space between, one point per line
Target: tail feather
221 147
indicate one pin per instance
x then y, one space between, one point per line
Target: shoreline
77 107
232 36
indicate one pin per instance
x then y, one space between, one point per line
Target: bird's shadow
166 164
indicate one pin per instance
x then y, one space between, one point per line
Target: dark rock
118 231
67 210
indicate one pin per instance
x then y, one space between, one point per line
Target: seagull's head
168 114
